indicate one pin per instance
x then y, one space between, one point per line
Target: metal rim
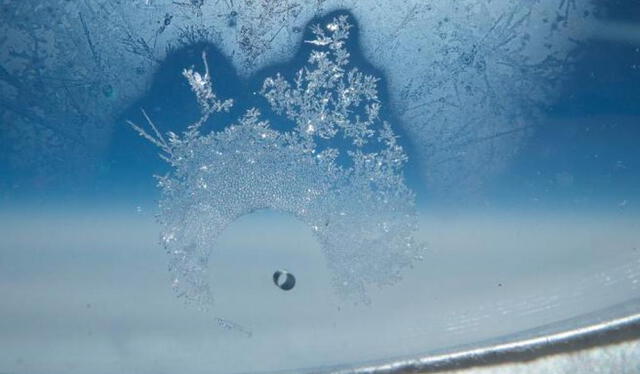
611 325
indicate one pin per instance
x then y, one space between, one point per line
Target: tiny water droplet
284 280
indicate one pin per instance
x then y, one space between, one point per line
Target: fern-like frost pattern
360 210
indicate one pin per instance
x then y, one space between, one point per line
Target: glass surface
421 175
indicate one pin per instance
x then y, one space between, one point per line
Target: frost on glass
338 169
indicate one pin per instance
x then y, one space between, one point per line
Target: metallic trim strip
430 363
596 333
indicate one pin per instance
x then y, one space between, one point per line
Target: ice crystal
360 211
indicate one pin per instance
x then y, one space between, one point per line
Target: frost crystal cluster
353 196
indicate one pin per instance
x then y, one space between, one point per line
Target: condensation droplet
284 280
